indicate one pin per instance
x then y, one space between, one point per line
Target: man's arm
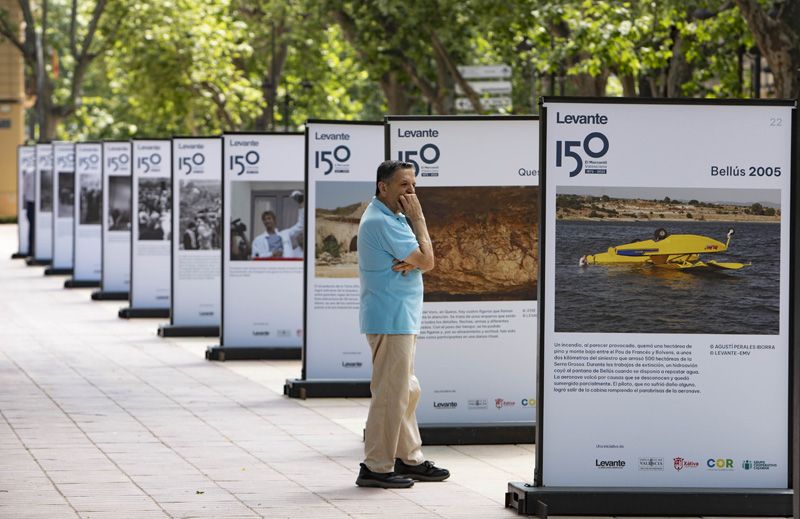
421 258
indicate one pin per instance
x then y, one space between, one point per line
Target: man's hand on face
411 207
402 266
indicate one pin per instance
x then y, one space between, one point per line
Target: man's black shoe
367 478
425 471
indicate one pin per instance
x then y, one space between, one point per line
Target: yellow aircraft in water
676 251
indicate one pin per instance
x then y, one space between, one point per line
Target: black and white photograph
154 209
46 191
119 203
66 194
91 198
200 215
267 221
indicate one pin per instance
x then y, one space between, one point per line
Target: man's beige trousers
392 430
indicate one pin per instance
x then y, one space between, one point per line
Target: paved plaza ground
101 418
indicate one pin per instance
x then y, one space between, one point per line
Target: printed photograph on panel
66 194
667 260
267 221
154 211
46 191
119 203
485 240
200 215
339 209
91 198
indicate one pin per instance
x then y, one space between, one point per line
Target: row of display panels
651 307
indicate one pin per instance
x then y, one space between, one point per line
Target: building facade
12 114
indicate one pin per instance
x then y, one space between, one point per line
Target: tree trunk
586 85
269 85
645 87
679 71
777 39
628 85
396 97
48 128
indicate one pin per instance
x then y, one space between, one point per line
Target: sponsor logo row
483 403
654 463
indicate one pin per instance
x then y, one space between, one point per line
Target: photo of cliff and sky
339 209
485 240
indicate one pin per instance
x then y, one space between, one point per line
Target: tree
777 34
174 71
58 46
412 49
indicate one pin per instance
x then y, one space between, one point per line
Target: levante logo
609 464
586 153
425 157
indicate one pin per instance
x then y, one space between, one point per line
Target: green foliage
188 67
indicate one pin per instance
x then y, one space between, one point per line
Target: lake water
642 299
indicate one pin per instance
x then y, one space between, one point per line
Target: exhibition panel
196 255
665 307
151 229
341 163
26 172
477 182
63 207
43 206
262 260
88 206
115 277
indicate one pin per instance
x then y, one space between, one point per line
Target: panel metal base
19 255
171 330
223 353
77 283
133 313
52 271
509 433
302 389
544 501
33 262
100 295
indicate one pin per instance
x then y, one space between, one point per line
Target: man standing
392 255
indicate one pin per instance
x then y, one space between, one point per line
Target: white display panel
63 203
26 167
665 357
43 221
151 223
262 286
87 253
477 182
116 275
341 164
196 258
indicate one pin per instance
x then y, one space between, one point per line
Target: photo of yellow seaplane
676 251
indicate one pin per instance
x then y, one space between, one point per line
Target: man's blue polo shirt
390 302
